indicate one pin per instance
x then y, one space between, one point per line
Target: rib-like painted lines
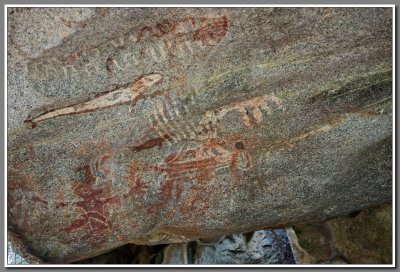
173 119
168 120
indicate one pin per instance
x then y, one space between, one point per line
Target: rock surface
156 125
363 237
259 247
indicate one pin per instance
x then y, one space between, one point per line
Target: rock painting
128 94
94 205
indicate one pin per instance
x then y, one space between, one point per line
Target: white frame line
192 6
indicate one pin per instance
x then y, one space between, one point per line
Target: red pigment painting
195 167
94 205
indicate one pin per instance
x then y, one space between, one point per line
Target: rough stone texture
363 237
129 254
151 125
314 244
259 247
300 255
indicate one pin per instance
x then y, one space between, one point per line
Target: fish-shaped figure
123 95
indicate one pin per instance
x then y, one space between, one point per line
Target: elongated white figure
110 99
